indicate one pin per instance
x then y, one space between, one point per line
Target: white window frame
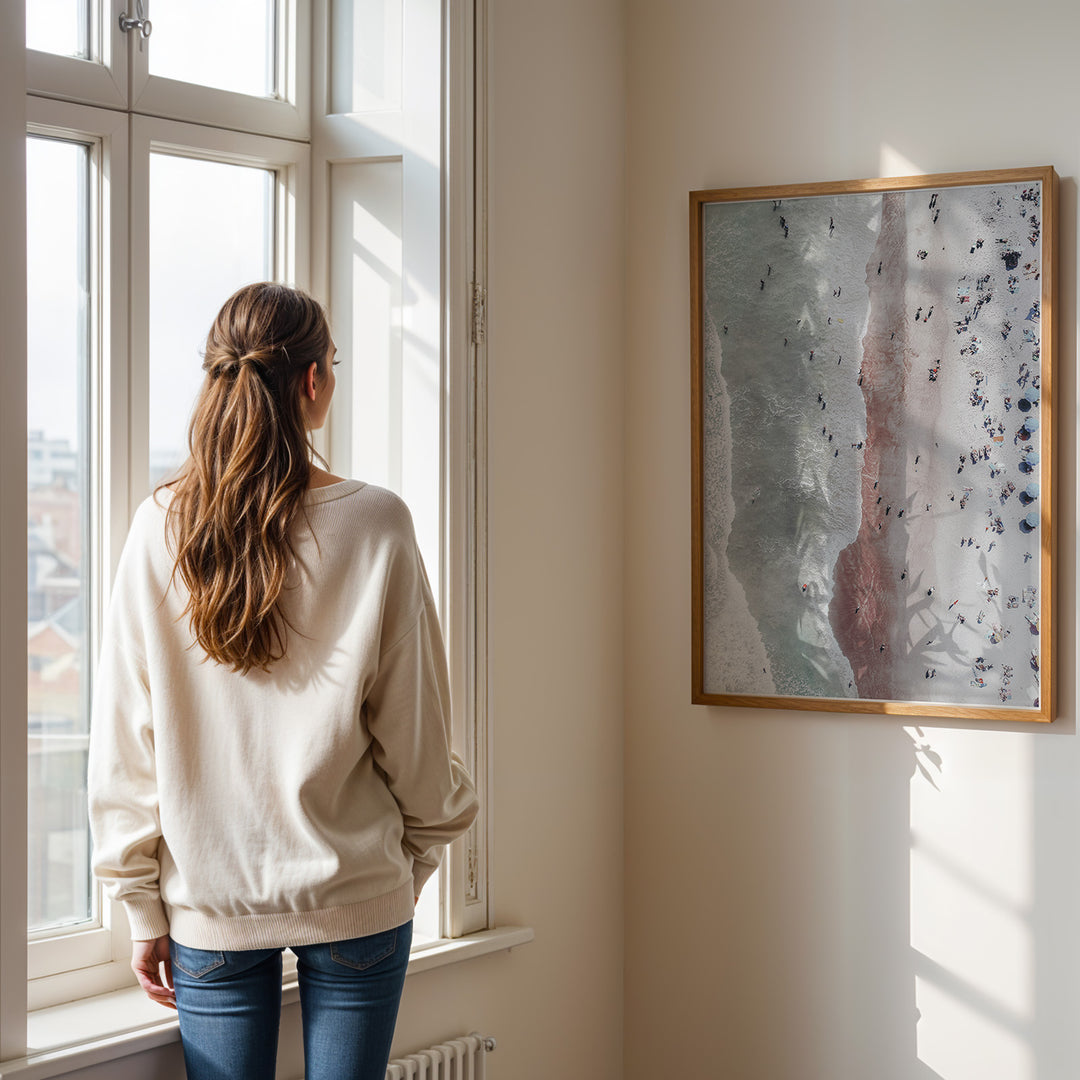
470 903
94 960
106 133
68 964
101 79
105 82
288 159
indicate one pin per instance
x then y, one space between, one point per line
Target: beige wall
801 901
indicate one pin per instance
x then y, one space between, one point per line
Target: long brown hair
243 485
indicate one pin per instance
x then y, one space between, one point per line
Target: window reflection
211 231
229 46
59 26
58 592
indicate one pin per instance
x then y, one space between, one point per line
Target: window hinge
479 313
473 867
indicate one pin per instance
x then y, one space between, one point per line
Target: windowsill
83 1033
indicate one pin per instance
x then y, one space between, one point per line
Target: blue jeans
229 1005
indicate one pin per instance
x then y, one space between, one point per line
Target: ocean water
794 492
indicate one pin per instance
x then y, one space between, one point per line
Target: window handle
142 24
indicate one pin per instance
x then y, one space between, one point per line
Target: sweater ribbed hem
282 929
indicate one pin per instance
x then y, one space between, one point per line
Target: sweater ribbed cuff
146 918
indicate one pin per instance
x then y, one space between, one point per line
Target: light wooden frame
934 274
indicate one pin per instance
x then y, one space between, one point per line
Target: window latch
142 24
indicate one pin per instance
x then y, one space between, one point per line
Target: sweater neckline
328 492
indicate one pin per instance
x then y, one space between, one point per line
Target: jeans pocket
195 962
364 952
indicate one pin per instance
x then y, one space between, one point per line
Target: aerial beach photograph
870 473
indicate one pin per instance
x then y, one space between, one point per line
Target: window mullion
137 317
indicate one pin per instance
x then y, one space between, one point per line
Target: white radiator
457 1059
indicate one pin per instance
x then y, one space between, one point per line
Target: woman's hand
153 968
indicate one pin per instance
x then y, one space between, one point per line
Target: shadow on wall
952 934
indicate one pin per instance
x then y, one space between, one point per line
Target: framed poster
873 465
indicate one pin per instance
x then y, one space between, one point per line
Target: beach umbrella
1032 520
1032 491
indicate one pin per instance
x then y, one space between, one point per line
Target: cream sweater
304 805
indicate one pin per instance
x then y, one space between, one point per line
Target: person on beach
270 762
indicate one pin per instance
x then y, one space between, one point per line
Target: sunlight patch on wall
971 902
962 1043
892 163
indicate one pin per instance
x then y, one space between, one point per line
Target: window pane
211 231
58 26
228 46
58 501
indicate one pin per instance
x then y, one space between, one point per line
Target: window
58 217
239 55
220 209
196 207
141 309
63 29
143 154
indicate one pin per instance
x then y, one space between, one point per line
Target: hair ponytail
243 486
